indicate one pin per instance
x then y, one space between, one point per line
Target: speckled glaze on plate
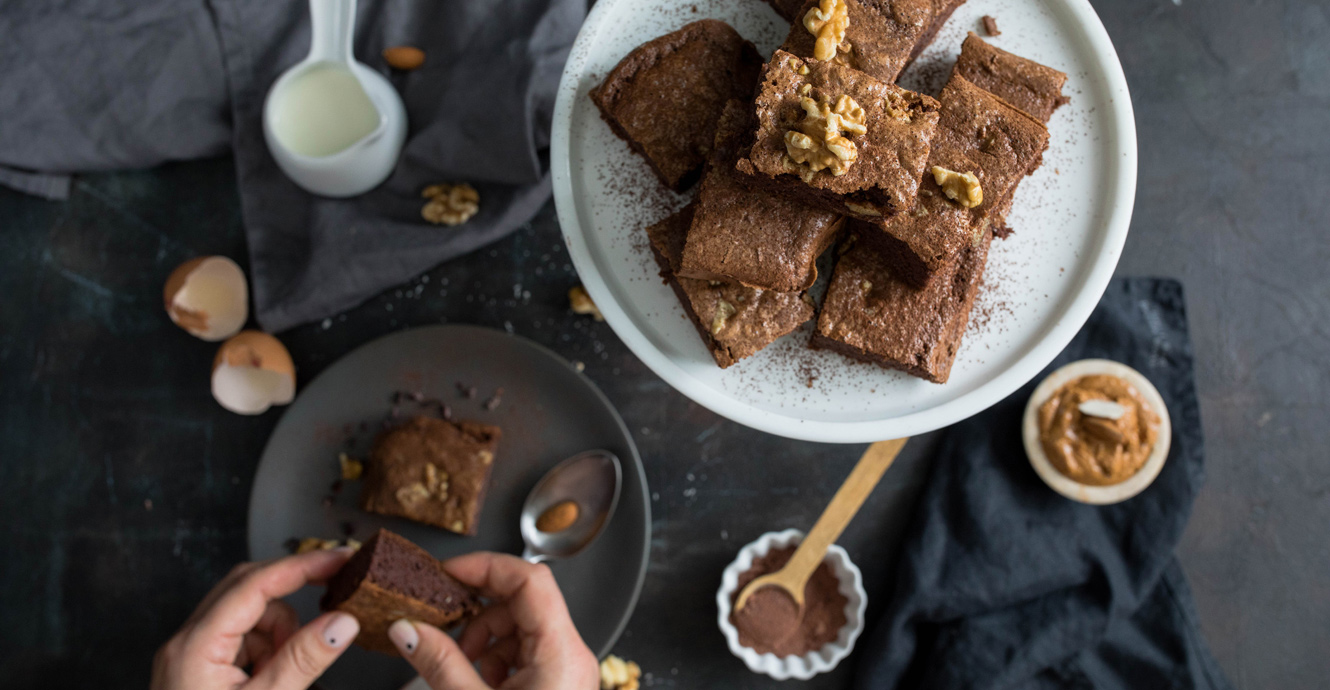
1070 220
548 412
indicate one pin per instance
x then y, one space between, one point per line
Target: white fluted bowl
818 660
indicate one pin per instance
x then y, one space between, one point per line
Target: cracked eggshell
208 297
252 372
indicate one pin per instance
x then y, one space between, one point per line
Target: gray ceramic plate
548 412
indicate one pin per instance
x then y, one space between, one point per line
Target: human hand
524 640
243 623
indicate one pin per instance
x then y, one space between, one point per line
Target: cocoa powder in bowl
769 617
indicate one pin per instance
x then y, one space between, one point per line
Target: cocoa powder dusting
823 614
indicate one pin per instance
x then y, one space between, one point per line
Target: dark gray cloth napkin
1003 583
97 85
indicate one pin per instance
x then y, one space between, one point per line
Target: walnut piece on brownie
432 471
1026 84
388 579
880 38
664 98
979 138
733 320
751 236
880 132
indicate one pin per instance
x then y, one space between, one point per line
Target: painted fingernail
340 630
404 635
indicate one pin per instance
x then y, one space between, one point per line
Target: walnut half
450 204
724 310
818 141
827 22
963 188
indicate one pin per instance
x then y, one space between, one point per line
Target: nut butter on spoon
771 606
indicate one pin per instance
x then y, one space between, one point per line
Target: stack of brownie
820 146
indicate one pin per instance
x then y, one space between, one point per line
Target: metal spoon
591 480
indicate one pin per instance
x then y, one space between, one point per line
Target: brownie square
872 315
882 36
432 471
750 236
390 578
1026 84
664 98
889 153
733 320
980 134
787 9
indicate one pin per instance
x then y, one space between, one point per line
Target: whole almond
405 58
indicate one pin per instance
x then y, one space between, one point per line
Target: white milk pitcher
334 126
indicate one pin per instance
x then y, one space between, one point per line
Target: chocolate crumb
1002 232
990 26
468 392
494 400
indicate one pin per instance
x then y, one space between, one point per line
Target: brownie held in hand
839 138
664 98
390 578
432 471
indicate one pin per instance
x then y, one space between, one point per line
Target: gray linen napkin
103 85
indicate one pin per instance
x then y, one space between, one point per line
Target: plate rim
555 357
1121 183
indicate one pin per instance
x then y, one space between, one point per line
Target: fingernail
404 635
340 630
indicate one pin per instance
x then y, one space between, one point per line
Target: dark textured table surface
125 485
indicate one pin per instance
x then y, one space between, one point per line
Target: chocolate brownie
864 142
787 9
664 98
1026 84
872 315
881 36
390 578
734 321
941 13
981 135
432 471
754 237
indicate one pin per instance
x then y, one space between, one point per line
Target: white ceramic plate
1070 218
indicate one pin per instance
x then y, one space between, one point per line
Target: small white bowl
1088 493
814 662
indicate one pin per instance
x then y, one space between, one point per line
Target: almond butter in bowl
1096 431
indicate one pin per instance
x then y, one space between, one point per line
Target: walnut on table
450 204
617 674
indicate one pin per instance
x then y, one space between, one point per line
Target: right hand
525 639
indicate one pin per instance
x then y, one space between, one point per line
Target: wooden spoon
794 576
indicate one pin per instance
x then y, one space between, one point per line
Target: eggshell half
208 297
252 372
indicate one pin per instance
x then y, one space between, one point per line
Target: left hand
243 623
